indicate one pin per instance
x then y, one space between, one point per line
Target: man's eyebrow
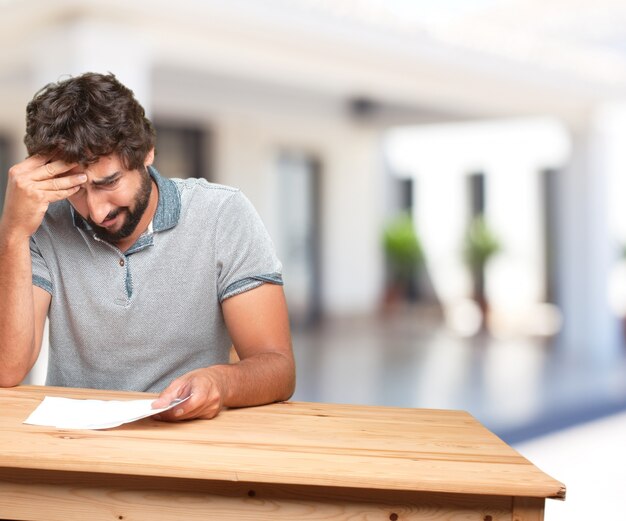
107 179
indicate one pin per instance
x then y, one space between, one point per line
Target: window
183 151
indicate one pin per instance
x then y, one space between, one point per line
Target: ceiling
585 38
465 58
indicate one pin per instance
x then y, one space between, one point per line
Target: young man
146 281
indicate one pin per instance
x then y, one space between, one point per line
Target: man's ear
149 158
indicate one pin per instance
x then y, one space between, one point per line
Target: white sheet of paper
67 413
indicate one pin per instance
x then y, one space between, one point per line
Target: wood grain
306 461
51 495
528 509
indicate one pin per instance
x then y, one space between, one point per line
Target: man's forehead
105 167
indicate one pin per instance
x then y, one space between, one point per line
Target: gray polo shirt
137 320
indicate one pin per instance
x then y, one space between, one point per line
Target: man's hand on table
206 401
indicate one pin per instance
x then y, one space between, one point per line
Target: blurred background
443 181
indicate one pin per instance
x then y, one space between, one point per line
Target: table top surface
285 443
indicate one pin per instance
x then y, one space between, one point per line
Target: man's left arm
258 323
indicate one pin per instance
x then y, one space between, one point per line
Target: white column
353 211
440 219
517 276
585 249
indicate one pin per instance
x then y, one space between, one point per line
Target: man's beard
133 214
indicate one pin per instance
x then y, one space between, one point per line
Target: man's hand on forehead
33 185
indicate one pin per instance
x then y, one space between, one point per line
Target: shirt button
122 262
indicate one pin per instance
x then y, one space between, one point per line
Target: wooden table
283 461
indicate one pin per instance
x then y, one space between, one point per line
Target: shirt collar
167 213
168 210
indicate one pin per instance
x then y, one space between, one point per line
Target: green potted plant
404 257
480 245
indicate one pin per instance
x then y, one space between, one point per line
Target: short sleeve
245 253
41 273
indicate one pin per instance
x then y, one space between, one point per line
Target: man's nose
97 206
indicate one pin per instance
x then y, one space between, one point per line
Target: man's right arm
23 310
32 185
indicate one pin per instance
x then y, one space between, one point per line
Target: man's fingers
163 400
51 169
33 162
63 183
184 411
58 195
175 390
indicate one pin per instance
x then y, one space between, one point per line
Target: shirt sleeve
245 254
41 273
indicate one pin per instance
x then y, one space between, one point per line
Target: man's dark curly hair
83 118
